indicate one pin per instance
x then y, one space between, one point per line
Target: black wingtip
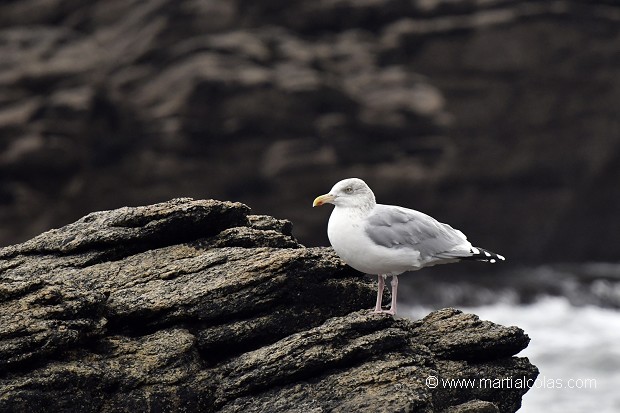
480 254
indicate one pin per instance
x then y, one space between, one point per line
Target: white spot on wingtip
487 254
501 257
492 261
475 250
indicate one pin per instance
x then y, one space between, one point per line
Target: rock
455 335
455 108
193 305
474 406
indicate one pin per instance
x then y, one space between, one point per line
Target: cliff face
498 117
199 306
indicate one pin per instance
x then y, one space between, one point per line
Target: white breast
348 238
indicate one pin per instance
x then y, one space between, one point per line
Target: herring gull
388 239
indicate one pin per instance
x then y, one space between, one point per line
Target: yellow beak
323 199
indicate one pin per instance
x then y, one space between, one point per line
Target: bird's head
351 192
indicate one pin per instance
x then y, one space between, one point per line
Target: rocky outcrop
195 305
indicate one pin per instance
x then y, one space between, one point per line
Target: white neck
359 211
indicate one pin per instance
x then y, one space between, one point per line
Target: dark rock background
500 117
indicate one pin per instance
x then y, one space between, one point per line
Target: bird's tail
480 254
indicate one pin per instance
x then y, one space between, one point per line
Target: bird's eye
348 190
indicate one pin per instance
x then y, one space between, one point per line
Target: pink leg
394 293
380 287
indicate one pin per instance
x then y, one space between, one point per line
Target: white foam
568 342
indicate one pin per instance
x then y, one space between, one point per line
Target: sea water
576 347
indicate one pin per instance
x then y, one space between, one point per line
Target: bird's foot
390 311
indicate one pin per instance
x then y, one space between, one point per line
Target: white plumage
389 240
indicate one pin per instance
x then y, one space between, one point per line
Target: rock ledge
195 305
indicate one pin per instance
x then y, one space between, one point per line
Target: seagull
388 240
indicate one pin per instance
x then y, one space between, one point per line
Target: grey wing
396 227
